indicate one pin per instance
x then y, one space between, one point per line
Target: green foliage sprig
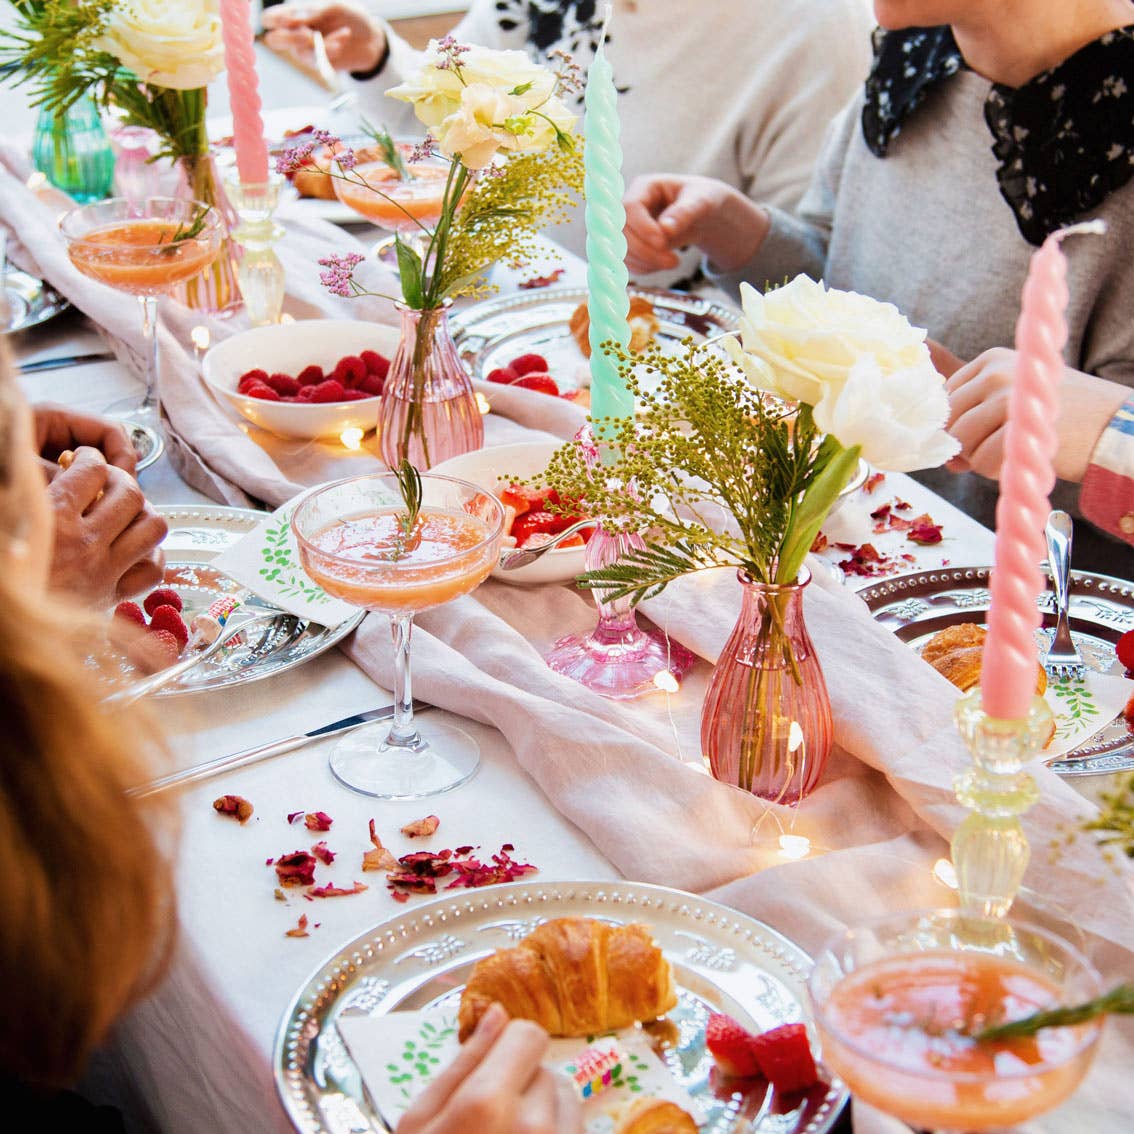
1116 818
1117 1000
390 153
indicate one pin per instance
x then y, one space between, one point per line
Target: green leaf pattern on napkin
419 1061
281 569
1076 707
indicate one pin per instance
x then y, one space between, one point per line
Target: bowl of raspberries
309 379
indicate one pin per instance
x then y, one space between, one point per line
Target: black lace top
1063 141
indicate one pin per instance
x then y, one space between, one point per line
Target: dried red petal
819 543
902 505
415 883
472 873
873 481
399 895
235 805
880 513
330 891
540 281
300 929
425 863
464 850
296 869
277 893
421 828
317 821
293 815
923 530
323 853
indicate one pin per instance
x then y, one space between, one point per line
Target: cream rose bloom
167 43
859 363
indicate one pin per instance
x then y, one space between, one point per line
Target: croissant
574 976
655 1116
957 653
643 325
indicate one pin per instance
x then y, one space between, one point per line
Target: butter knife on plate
265 751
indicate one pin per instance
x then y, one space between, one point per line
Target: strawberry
130 612
248 378
542 382
375 363
1125 650
162 596
731 1046
349 371
262 391
310 376
330 391
283 384
505 375
167 618
522 499
539 523
528 363
154 650
785 1059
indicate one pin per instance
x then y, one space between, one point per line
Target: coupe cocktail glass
898 1002
352 543
144 248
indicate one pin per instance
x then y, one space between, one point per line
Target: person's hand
666 212
354 42
58 428
106 546
496 1085
978 412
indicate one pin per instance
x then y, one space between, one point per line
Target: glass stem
148 304
403 732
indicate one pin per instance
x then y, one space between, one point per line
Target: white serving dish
289 347
493 469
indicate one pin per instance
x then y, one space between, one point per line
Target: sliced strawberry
375 363
522 498
731 1047
1125 650
784 1056
539 381
528 363
505 375
539 521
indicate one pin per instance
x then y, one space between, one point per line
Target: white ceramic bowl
289 347
494 469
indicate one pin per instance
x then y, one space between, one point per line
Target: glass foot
136 411
622 663
445 758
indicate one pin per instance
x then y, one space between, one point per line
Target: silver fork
1063 662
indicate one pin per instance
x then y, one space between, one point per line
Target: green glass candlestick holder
260 273
990 850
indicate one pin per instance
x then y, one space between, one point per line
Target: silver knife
64 361
264 751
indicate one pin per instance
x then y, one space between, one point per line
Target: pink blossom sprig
339 279
450 51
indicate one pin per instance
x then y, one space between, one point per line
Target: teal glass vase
73 151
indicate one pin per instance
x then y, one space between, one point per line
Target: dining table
583 788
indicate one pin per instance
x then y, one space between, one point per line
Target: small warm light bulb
795 737
351 438
36 180
482 403
200 337
945 873
286 318
665 681
794 846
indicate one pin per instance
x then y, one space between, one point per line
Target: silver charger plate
723 961
197 535
148 444
492 333
31 301
915 606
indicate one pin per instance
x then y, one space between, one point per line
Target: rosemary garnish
409 484
389 148
1118 1000
189 230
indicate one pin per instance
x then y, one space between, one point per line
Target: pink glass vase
766 721
217 289
429 410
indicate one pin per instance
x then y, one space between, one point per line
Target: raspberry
505 375
162 596
283 384
130 612
1124 648
375 363
248 378
349 371
167 618
540 381
310 376
263 392
329 391
306 393
154 650
372 385
359 395
731 1046
528 364
785 1059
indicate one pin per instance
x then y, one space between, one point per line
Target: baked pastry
643 325
574 976
655 1116
957 651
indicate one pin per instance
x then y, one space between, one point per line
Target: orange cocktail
402 206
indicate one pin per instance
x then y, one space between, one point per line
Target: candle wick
606 21
1083 228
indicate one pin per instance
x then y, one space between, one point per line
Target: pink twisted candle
1008 671
244 92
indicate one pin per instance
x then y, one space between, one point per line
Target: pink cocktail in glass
406 207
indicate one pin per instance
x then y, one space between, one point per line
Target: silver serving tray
31 300
915 606
492 333
197 536
723 961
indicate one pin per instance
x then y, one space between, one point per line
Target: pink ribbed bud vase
429 410
766 721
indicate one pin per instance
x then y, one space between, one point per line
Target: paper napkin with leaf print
266 561
1081 708
398 1054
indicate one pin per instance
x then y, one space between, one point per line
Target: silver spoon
521 557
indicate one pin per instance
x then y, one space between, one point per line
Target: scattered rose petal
421 828
317 821
234 805
323 853
873 481
540 281
330 891
464 850
923 530
293 815
279 895
472 873
295 869
379 858
881 513
819 543
866 562
300 929
425 863
411 883
901 505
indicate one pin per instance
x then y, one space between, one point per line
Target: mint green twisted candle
607 278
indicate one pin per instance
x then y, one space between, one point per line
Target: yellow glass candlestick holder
260 273
990 850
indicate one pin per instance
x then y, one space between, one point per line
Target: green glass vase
73 151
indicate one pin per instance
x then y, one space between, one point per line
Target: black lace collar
1064 140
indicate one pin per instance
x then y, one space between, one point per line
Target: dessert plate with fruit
171 615
550 326
713 1000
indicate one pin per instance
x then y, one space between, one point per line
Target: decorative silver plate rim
356 967
153 438
1109 750
311 641
43 302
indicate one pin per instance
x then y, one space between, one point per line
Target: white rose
167 43
897 416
